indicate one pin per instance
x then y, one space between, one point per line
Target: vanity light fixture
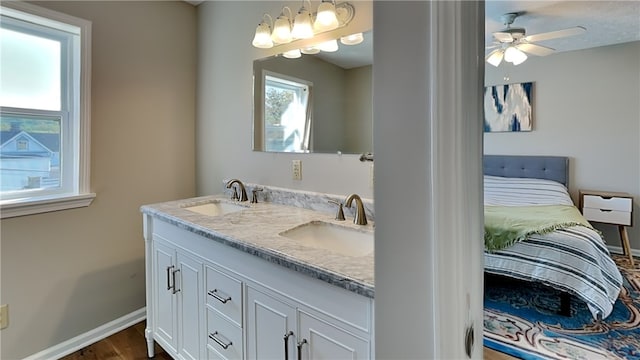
262 39
302 27
310 50
282 28
292 54
329 16
353 39
329 46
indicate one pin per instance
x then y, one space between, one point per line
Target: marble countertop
256 231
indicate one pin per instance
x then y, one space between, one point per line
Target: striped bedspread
575 260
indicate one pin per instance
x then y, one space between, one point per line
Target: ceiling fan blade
535 49
503 37
495 57
555 34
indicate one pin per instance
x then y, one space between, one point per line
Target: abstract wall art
507 108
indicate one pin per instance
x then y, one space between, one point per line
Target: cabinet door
190 292
164 301
325 341
268 320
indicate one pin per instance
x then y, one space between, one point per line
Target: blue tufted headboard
528 166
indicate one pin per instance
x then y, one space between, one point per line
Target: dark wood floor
130 344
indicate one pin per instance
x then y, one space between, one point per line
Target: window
44 110
287 113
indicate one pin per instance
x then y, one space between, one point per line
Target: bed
574 260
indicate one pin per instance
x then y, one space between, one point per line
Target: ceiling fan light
515 56
302 28
495 58
353 39
326 18
262 38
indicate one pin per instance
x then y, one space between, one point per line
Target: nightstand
607 207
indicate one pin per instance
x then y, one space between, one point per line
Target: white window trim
83 197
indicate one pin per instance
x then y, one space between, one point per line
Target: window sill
43 205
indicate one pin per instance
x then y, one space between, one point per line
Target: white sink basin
335 238
216 208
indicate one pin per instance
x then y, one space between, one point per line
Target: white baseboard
90 337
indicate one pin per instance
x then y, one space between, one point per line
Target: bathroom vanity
237 280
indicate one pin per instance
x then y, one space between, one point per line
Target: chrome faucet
243 191
360 217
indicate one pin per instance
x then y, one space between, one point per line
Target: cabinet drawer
222 333
224 294
604 203
607 216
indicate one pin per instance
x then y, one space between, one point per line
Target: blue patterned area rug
521 319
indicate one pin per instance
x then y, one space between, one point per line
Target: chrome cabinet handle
215 295
220 342
169 276
304 341
286 344
173 277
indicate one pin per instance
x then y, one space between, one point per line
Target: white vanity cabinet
178 310
208 300
278 328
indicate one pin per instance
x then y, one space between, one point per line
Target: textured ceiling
607 22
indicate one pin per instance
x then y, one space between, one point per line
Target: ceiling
607 22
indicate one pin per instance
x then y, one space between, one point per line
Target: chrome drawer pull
169 277
214 293
220 342
173 276
286 345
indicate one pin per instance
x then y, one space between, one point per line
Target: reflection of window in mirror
287 113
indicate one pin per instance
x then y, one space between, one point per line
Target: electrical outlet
296 169
4 316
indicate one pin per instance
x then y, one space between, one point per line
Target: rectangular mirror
317 103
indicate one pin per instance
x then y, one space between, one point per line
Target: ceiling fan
512 42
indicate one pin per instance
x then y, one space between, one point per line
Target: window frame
78 103
300 86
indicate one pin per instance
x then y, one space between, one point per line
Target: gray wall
68 272
586 106
224 113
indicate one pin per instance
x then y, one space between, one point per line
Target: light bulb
515 56
310 50
495 58
353 39
262 38
281 31
326 18
329 46
302 28
292 54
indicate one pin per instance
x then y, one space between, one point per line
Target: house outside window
44 110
